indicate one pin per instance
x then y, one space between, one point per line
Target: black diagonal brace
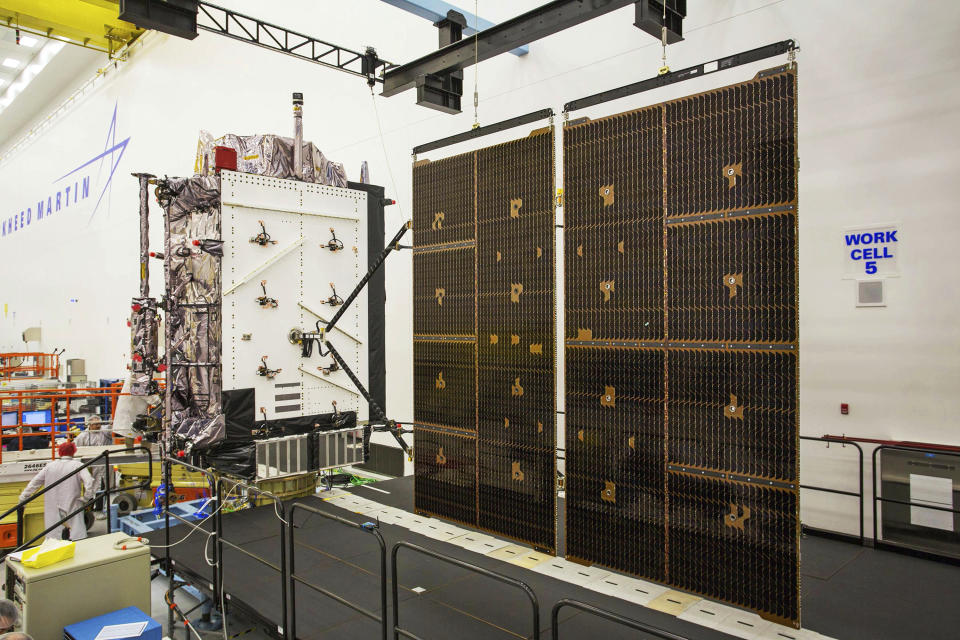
363 282
391 425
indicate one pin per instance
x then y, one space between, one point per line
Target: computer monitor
9 419
41 416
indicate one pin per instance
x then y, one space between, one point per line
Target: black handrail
880 498
283 569
859 494
368 527
214 528
20 508
397 631
609 615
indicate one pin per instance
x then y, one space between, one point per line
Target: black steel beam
535 24
245 28
503 125
702 69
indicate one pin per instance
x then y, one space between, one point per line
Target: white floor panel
743 624
572 572
630 589
438 530
708 614
478 542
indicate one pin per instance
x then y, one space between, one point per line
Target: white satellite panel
298 266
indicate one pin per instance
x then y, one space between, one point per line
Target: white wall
879 96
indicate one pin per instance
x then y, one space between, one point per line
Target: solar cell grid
502 311
681 333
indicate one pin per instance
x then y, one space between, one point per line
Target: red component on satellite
225 158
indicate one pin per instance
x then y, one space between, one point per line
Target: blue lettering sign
870 248
112 153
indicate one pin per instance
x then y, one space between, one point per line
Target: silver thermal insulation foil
193 254
144 343
270 155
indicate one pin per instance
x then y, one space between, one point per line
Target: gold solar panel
681 340
484 354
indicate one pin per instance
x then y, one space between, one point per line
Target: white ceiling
62 75
22 54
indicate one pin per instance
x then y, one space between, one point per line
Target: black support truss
535 24
245 28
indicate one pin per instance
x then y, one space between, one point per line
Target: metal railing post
284 574
293 578
20 510
106 495
292 622
218 543
859 494
860 476
394 596
873 491
166 540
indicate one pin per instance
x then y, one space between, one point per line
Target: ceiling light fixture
27 41
43 57
11 63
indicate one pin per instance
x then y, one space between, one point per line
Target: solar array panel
484 354
681 339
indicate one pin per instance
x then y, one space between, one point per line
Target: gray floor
237 625
849 592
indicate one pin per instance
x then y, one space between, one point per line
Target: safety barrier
293 577
287 625
520 584
216 532
656 632
51 413
221 541
859 493
878 497
29 365
194 526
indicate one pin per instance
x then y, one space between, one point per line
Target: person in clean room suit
94 437
9 616
65 497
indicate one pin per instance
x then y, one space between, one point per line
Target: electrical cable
197 525
168 598
386 158
512 91
663 40
476 64
276 510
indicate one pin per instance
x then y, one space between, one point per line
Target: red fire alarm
844 409
225 158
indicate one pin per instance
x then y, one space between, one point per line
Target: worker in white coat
95 437
64 498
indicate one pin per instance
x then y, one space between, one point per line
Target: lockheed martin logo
74 186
